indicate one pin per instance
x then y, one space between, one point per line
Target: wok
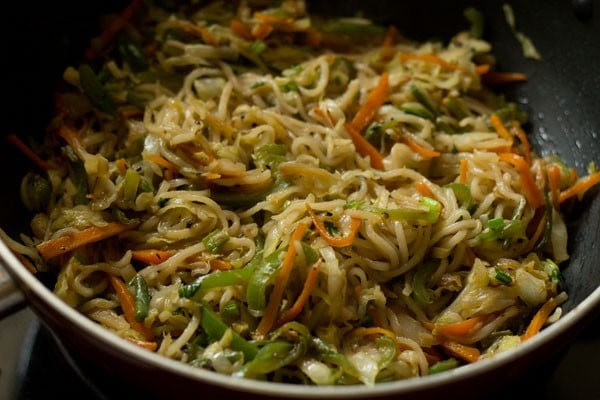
561 98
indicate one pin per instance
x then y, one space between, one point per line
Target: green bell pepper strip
475 17
330 355
431 215
79 177
95 91
462 193
263 276
215 240
278 353
142 297
269 358
217 279
443 365
131 183
423 97
387 348
215 328
422 293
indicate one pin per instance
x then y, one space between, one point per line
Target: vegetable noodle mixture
258 191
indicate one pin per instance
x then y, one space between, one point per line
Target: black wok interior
561 97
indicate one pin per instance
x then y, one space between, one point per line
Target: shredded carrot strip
271 19
241 29
424 189
424 152
365 148
374 101
374 330
539 319
430 58
163 162
128 306
464 352
262 31
126 112
580 187
18 143
64 244
25 261
464 169
218 264
152 346
520 133
358 291
121 165
302 299
500 128
387 46
109 33
198 31
532 192
73 139
553 173
334 240
498 78
482 69
151 256
462 328
268 319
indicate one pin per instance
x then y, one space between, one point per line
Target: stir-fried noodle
273 195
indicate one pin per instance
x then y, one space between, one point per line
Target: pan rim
567 323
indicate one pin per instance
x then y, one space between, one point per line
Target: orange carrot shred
61 245
261 31
364 148
424 152
18 143
539 319
121 165
464 352
424 189
499 78
461 328
268 319
500 128
532 192
302 299
143 343
334 240
553 173
220 265
464 169
109 33
482 69
430 58
163 162
128 306
374 330
241 29
151 256
516 128
580 187
374 101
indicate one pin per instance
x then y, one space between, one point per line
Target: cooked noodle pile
272 195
